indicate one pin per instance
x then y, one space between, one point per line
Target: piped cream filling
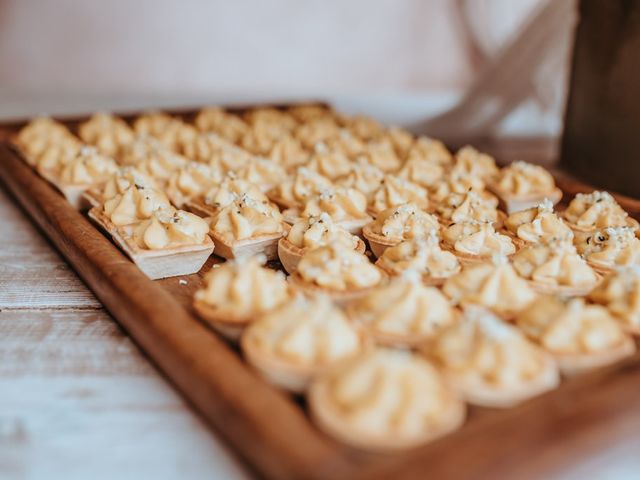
395 191
314 232
165 229
340 204
595 210
136 203
246 218
522 179
424 256
404 222
538 224
477 239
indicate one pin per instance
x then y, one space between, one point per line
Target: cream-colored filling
106 132
478 239
465 207
494 285
331 164
364 177
125 178
288 152
522 178
460 184
262 172
231 189
246 218
340 204
166 229
337 268
382 154
88 167
556 263
570 328
318 130
538 224
429 150
402 140
314 232
611 247
470 161
405 307
306 333
192 180
395 191
303 185
422 172
619 292
227 125
595 210
346 143
134 204
421 255
40 135
244 287
404 222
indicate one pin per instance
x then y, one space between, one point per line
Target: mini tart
153 159
303 184
212 148
401 139
423 256
317 130
247 227
125 178
224 194
236 292
595 210
555 268
168 244
346 207
363 127
491 363
471 162
172 132
474 242
385 400
347 144
619 292
522 185
343 274
537 224
422 172
331 164
363 177
430 150
466 207
581 337
46 143
227 125
610 248
288 153
135 204
106 132
403 313
313 232
300 340
494 285
263 173
394 225
192 181
460 183
87 169
395 191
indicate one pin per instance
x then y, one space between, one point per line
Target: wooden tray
269 429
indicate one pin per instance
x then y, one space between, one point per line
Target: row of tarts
480 293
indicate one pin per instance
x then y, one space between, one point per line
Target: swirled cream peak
346 143
123 179
302 185
429 150
595 210
42 134
461 184
244 287
522 178
313 232
106 132
246 218
404 308
389 392
227 125
231 189
261 171
321 129
538 224
339 203
306 332
381 153
469 161
193 180
570 327
395 191
168 229
366 128
483 347
404 222
494 285
619 292
421 255
135 203
170 131
88 167
151 157
611 247
362 176
422 172
288 152
554 263
329 163
337 268
464 207
477 238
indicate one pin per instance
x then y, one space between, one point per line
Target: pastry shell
514 203
576 363
74 193
468 259
563 290
290 254
262 244
427 280
339 297
224 321
161 263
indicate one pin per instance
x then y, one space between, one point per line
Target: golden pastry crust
538 224
236 292
494 285
491 363
403 313
581 337
385 400
474 242
423 256
395 191
394 225
555 268
300 340
610 248
619 292
595 210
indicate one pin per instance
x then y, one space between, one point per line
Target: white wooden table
78 400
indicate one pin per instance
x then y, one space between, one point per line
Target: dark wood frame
267 427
